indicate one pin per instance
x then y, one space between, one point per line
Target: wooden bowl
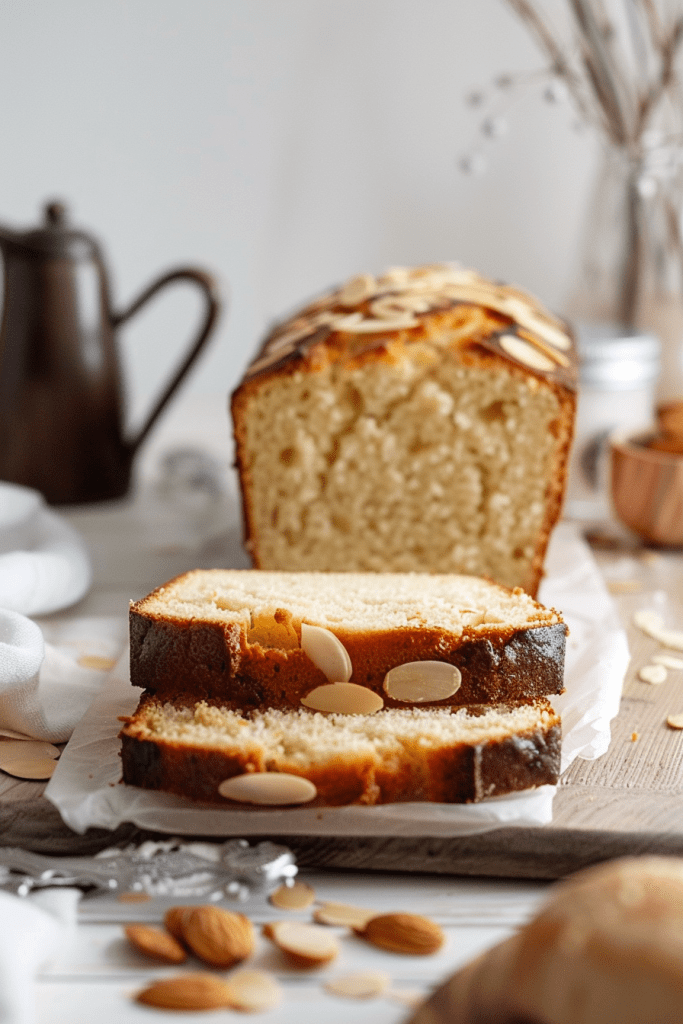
647 489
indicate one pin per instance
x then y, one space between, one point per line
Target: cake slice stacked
342 688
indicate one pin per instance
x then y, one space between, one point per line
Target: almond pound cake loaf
417 421
209 753
257 640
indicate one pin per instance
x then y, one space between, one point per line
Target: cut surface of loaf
607 946
236 636
418 421
392 756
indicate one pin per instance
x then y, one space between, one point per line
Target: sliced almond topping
668 660
253 991
293 897
326 652
675 721
396 307
37 767
359 985
357 290
187 992
654 674
422 681
343 699
525 353
526 317
274 788
155 943
404 933
378 326
305 945
343 915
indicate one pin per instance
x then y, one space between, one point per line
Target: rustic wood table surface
478 888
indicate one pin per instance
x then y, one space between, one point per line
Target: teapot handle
208 286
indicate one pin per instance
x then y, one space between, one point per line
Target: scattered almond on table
404 933
187 992
298 896
359 985
155 943
305 945
343 915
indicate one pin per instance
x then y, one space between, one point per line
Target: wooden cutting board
629 801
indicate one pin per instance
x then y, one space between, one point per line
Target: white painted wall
285 144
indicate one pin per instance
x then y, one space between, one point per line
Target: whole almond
154 943
219 937
175 920
187 992
404 933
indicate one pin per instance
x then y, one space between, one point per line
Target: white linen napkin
44 567
35 928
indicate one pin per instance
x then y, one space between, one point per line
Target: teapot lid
55 238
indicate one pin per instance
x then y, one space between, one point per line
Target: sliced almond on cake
326 652
422 681
274 788
343 699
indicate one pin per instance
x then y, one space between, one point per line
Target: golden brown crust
462 772
476 329
211 660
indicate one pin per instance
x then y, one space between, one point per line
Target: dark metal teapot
61 403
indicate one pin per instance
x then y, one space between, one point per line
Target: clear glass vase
631 271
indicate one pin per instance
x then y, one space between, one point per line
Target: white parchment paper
86 786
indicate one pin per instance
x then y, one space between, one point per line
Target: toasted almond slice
422 681
675 721
372 326
357 290
155 943
359 985
654 674
396 307
524 352
343 699
404 933
187 992
343 915
548 332
552 353
37 767
305 945
293 897
253 991
668 660
273 788
11 747
97 661
326 652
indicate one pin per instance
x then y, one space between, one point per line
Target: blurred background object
61 399
288 146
